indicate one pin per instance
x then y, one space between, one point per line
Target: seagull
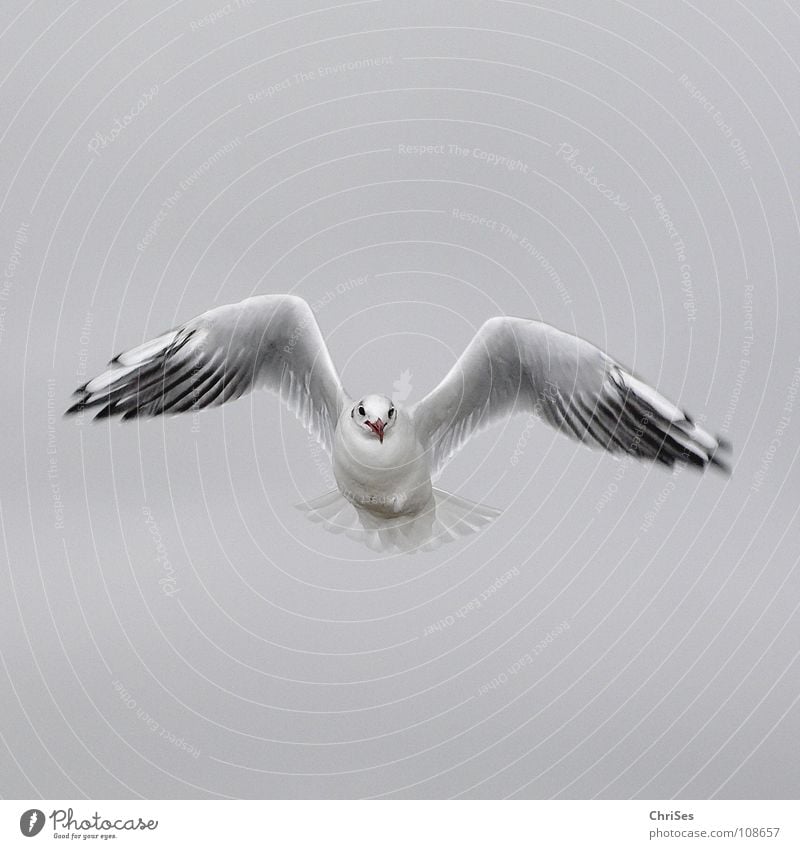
385 457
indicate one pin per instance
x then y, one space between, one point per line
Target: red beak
377 428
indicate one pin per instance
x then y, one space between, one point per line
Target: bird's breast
388 479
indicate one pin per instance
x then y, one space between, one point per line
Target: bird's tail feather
449 517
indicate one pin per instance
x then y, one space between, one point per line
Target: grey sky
170 625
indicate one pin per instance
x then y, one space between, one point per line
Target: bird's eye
391 412
361 411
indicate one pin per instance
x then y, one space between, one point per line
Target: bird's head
375 414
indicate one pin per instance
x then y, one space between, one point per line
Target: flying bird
385 457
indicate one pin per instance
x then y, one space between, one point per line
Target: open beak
377 428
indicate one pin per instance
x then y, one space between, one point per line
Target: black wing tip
721 464
83 405
723 467
76 408
692 459
105 412
711 461
81 402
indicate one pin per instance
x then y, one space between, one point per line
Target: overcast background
171 626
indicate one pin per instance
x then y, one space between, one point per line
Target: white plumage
386 457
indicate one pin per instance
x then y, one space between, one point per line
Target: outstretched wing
517 365
270 341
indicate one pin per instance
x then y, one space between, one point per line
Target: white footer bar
402 824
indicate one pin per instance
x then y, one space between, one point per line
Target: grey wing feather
270 341
517 365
